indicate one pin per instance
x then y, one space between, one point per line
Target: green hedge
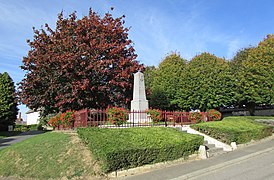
131 147
234 129
23 127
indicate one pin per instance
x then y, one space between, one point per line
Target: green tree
8 103
206 83
165 82
238 59
236 67
255 75
149 74
156 98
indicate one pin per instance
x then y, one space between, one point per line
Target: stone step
215 151
209 146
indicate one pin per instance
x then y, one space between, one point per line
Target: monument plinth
139 103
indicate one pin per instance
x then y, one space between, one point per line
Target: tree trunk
251 108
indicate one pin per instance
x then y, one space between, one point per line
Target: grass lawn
239 129
4 134
124 148
50 155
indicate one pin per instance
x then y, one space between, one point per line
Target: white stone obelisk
139 102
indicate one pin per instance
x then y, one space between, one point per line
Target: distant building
32 117
19 119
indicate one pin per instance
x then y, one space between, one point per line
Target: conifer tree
8 103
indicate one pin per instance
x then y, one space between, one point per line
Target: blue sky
158 27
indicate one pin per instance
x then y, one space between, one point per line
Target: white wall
32 118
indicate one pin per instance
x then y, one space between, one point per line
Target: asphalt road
255 161
258 167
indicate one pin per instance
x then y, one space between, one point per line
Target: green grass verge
49 155
4 134
235 129
124 148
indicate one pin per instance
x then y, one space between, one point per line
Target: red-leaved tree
83 63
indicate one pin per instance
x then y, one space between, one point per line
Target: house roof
30 111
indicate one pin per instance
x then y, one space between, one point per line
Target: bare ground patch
91 167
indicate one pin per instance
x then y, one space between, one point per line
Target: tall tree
8 103
206 83
165 83
83 63
149 74
255 77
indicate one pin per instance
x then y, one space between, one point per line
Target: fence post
181 118
86 117
173 118
165 118
133 117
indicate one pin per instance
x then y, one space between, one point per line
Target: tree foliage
255 74
8 103
207 83
149 75
238 59
156 97
86 62
165 82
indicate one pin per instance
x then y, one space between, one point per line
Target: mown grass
239 129
49 155
124 148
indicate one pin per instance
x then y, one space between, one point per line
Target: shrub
24 128
195 116
40 127
55 121
63 120
46 119
21 127
67 119
131 147
234 129
117 115
214 115
155 115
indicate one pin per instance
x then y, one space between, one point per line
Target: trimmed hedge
23 127
234 129
131 147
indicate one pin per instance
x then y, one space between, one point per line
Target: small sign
10 128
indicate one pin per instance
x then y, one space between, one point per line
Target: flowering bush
155 115
65 120
117 115
55 121
214 115
195 116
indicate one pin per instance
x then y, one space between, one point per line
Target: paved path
257 166
231 164
5 142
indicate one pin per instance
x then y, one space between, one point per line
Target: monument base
139 105
139 117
